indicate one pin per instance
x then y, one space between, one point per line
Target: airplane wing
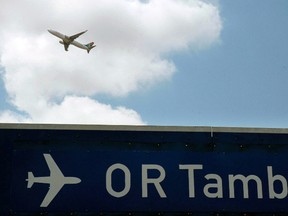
53 191
66 45
55 172
73 37
56 180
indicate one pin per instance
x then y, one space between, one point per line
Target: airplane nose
77 180
51 31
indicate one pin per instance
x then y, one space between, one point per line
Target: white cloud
131 36
77 110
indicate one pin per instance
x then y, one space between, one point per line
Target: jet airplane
56 180
67 40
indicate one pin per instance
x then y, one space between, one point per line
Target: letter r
155 181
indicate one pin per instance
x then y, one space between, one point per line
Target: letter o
127 174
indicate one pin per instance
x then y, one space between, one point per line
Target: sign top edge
207 129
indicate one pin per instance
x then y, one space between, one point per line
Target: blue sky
238 80
242 81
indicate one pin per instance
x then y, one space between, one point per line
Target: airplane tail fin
90 46
30 180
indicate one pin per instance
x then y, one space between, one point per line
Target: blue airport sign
94 171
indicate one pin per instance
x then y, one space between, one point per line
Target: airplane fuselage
58 34
75 43
59 180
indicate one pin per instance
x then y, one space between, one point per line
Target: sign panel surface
154 181
143 171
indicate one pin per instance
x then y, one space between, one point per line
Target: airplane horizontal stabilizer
30 180
90 46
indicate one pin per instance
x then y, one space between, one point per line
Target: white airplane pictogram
56 180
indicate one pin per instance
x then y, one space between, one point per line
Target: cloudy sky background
157 62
